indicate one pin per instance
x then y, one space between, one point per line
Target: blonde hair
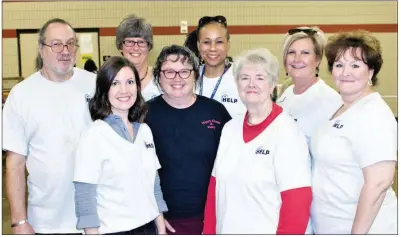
318 41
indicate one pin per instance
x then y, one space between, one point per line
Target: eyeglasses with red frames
183 73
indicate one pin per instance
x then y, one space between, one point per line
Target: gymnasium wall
253 24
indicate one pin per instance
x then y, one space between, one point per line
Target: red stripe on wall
270 29
9 34
249 29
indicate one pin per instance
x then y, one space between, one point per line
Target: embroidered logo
338 125
261 151
87 97
211 123
226 99
149 145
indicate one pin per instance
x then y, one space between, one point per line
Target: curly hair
185 54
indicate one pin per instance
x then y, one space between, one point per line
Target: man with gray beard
43 118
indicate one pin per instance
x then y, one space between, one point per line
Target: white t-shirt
311 108
227 92
250 176
124 173
150 91
363 135
43 120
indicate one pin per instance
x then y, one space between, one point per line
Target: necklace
344 108
147 69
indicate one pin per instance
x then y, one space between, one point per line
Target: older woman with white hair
309 101
261 180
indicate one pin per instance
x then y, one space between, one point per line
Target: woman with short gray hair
252 182
134 39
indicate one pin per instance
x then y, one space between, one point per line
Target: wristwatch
19 223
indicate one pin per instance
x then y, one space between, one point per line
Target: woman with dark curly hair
116 162
354 153
186 128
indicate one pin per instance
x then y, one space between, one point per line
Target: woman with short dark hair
186 128
216 75
355 152
116 163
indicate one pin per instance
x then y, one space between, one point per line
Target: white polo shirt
250 176
150 91
43 120
309 109
227 92
124 173
363 135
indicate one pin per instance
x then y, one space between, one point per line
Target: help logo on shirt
226 99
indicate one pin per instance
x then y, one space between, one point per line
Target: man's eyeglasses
58 47
307 31
207 19
131 43
183 73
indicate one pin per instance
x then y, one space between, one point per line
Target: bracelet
19 223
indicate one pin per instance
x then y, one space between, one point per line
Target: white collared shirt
124 173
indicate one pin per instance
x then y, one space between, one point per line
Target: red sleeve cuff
294 211
209 227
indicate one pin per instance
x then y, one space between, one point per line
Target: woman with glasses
355 152
309 100
216 77
261 180
186 129
134 39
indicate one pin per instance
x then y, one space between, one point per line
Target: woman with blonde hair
309 100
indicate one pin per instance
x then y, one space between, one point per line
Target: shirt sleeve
161 203
375 140
209 226
294 211
14 127
88 162
291 161
86 205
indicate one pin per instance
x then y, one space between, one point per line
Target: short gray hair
133 26
318 41
262 57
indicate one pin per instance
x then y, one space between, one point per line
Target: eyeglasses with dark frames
58 47
140 43
307 31
208 19
183 73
